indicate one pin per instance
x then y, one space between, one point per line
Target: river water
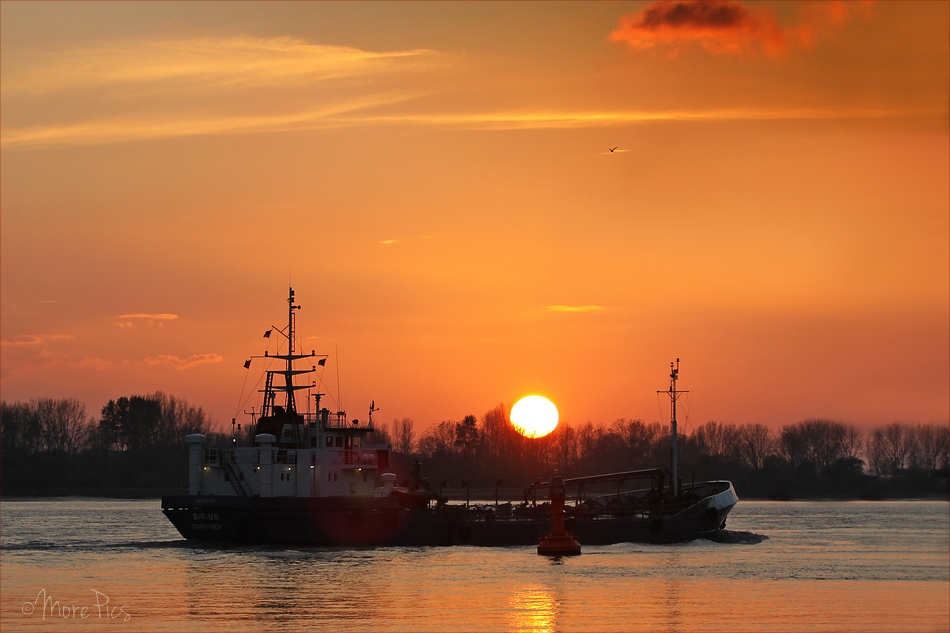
92 564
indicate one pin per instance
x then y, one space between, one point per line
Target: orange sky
435 181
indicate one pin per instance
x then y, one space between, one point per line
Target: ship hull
383 521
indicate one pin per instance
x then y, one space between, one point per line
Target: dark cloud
724 26
708 13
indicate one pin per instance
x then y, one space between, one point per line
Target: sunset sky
434 180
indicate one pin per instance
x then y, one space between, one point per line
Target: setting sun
534 416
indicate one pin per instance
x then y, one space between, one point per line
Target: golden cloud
581 119
109 131
128 320
144 85
234 62
126 129
183 363
151 317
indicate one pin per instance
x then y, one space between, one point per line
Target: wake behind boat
313 478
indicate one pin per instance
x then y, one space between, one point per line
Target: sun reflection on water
533 609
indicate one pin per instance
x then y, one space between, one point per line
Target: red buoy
558 542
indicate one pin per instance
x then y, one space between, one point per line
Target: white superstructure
292 454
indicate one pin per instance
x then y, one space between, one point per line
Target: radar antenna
372 408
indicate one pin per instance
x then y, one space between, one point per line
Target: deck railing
331 420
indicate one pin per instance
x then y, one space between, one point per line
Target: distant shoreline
455 495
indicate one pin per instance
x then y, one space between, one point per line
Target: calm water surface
826 566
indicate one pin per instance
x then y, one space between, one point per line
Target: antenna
339 397
372 408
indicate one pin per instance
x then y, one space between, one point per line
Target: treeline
813 458
136 442
53 446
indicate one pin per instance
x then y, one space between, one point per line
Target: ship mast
288 372
289 375
674 396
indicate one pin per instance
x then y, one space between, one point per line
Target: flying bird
613 149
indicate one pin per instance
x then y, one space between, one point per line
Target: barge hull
360 522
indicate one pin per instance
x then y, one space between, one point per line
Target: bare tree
818 443
890 448
438 439
22 432
405 436
874 452
639 438
930 449
756 442
852 443
565 438
495 431
715 439
586 440
63 423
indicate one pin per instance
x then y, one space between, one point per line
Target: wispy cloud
28 340
234 62
126 129
128 320
164 316
390 242
143 90
183 363
593 118
89 362
575 308
108 131
726 26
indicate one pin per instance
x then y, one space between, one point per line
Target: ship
306 475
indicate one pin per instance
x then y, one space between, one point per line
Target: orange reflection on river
532 609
